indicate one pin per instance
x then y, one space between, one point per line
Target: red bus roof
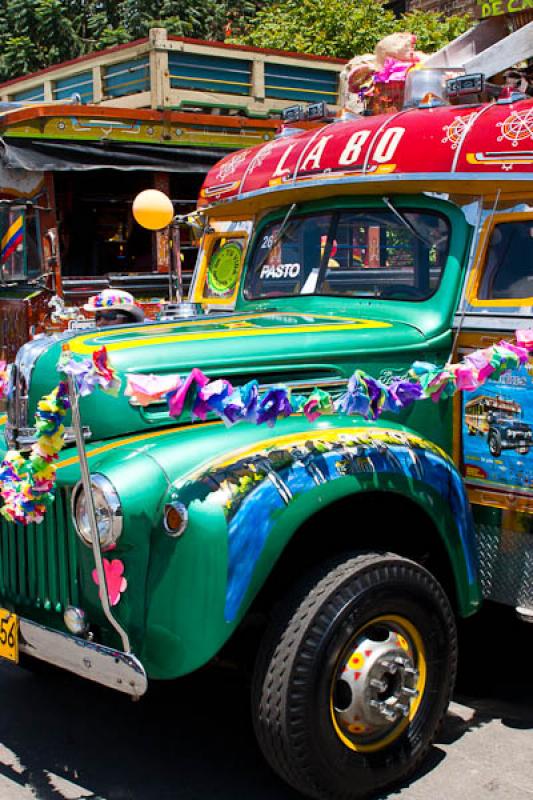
455 142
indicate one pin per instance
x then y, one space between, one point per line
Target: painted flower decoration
114 578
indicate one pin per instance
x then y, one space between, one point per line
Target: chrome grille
39 563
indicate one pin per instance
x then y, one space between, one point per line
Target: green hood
271 346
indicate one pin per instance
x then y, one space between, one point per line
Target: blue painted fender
266 493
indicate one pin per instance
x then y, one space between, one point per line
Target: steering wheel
401 291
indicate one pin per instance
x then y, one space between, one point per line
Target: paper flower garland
26 484
90 373
364 395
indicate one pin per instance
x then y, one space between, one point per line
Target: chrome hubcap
375 684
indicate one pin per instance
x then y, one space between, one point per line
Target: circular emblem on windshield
224 269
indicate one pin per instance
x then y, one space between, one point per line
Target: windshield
357 252
503 415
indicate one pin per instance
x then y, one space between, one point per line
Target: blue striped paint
36 94
127 77
210 73
81 84
300 83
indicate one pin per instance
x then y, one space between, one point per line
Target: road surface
63 739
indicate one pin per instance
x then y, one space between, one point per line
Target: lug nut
403 710
412 671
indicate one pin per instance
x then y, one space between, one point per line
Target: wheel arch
263 514
428 542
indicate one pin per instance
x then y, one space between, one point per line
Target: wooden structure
176 73
80 140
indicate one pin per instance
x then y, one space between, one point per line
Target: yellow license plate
9 635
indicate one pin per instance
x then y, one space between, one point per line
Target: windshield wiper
275 241
277 238
406 223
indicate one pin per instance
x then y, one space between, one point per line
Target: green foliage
433 31
324 27
33 34
345 28
37 33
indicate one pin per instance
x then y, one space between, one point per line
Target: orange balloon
153 209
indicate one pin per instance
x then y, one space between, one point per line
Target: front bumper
112 668
510 442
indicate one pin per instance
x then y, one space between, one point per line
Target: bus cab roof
477 149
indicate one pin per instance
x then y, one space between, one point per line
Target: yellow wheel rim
378 684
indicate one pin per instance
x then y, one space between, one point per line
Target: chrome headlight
108 512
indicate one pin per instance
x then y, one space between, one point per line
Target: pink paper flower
114 578
147 388
524 338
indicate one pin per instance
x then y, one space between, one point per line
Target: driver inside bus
114 307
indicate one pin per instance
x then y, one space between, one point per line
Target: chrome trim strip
387 123
21 371
494 320
23 438
87 487
507 155
428 178
96 662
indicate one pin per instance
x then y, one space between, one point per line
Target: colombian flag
12 238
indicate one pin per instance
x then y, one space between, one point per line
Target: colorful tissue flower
401 394
211 397
319 402
176 399
356 399
273 405
524 338
146 389
89 374
107 379
241 404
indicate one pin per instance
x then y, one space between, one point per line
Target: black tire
495 444
301 658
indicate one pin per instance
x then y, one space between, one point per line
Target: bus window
508 272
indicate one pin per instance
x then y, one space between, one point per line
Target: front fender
244 508
142 487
